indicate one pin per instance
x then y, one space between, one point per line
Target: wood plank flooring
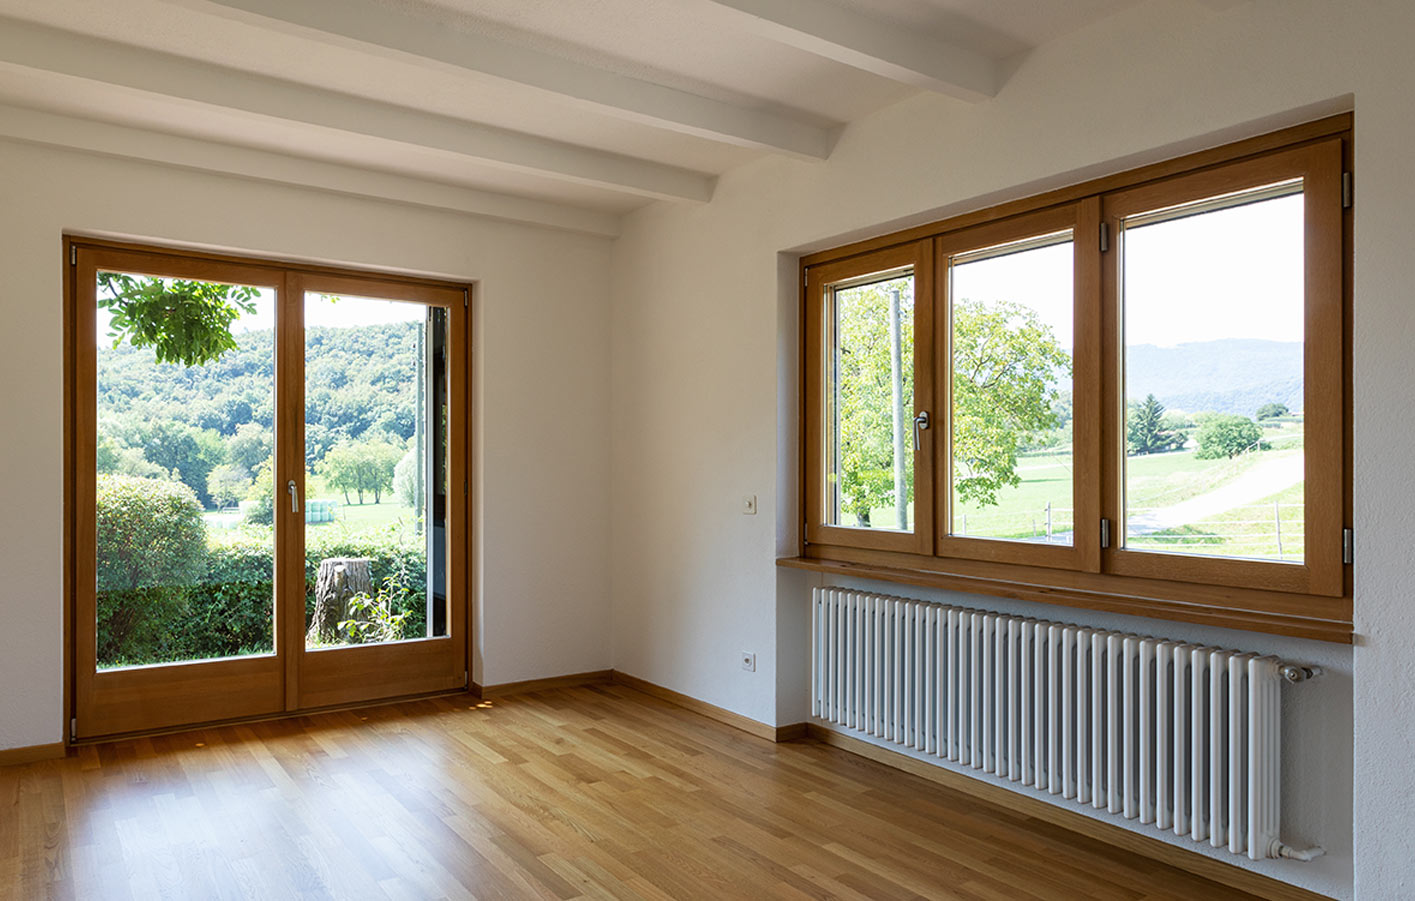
593 792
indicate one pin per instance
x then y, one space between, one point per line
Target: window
1130 394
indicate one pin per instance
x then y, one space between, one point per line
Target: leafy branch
185 322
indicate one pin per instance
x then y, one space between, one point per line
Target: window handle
294 497
921 422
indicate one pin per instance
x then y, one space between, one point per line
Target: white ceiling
598 106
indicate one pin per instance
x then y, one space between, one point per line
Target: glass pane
376 479
1213 324
870 482
1012 312
186 401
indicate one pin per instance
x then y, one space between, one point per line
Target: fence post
1277 521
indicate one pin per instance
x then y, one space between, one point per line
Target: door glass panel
375 504
870 479
1011 319
1213 325
186 397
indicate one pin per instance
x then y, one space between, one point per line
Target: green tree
1228 435
1272 410
363 467
189 452
864 397
228 483
183 322
1146 431
1006 364
249 447
261 510
151 545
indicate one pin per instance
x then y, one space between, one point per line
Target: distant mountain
1234 375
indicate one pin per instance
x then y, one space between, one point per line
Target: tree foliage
1147 430
364 467
864 397
1006 365
184 322
1271 411
1227 435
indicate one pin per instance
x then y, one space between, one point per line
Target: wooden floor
598 792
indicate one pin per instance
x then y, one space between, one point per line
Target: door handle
921 423
294 497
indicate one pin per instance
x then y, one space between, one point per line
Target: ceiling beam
368 26
65 53
900 54
120 141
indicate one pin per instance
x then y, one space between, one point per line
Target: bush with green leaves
151 547
372 618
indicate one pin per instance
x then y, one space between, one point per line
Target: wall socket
749 661
749 505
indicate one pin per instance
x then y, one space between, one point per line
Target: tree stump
339 579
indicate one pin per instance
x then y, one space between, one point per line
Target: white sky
1234 273
319 310
1040 279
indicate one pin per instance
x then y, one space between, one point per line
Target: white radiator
1179 736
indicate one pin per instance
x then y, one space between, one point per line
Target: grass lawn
1246 531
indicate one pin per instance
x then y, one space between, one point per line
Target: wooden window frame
290 680
918 258
1312 599
1082 219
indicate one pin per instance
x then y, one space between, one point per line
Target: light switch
749 505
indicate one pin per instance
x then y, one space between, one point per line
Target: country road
1261 481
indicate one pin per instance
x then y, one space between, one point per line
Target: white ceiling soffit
48 129
837 33
64 53
367 25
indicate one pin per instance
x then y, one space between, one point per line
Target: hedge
228 610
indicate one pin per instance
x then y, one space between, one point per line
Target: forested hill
1229 376
359 380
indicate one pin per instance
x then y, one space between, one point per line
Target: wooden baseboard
712 711
595 677
31 754
1153 848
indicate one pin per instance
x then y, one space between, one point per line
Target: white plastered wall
541 395
704 338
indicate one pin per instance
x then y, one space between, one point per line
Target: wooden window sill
1230 608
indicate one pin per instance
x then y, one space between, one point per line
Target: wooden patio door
235 426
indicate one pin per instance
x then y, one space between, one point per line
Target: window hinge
1347 191
805 278
73 255
1105 236
805 526
464 488
1348 546
1105 533
466 298
73 728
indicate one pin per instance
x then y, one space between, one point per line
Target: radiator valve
1295 673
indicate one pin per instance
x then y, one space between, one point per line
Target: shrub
151 546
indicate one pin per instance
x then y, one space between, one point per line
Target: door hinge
805 527
466 297
73 255
1105 533
73 728
1348 195
805 278
1348 546
1105 236
464 488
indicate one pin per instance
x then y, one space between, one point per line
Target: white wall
541 395
703 335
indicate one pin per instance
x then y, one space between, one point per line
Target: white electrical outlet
749 661
749 505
